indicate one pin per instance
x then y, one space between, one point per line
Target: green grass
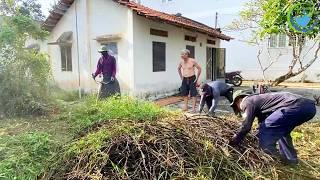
67 96
27 144
124 108
24 156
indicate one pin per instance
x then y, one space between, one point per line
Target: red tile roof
180 21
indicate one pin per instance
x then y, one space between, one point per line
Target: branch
314 44
300 44
272 61
310 62
295 59
260 63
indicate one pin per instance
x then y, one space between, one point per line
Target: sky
46 5
194 9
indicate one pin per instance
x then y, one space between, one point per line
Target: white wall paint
145 79
100 17
95 18
106 18
240 55
67 80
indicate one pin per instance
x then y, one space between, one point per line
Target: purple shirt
106 66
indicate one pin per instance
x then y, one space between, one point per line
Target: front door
215 66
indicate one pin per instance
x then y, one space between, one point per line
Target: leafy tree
24 73
269 17
29 8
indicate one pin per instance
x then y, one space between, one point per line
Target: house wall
95 18
240 55
161 82
67 80
107 18
282 63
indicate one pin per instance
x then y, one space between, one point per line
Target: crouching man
278 114
210 94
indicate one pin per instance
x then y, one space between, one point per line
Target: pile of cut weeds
195 147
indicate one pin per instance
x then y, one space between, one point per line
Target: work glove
234 141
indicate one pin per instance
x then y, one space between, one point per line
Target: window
273 41
66 58
278 41
282 40
113 48
220 62
212 42
157 32
192 50
159 56
190 38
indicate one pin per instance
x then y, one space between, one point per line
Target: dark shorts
189 86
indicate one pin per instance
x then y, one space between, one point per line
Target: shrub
24 73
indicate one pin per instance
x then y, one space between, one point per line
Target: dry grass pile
186 148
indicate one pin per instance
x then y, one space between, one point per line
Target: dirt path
293 85
176 102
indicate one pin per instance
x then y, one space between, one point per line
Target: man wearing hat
278 114
211 93
107 67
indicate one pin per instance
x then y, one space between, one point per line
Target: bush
24 156
24 74
23 84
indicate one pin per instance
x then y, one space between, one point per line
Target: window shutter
63 59
69 58
159 56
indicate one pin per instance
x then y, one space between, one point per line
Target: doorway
216 61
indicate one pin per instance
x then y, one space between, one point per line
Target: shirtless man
189 80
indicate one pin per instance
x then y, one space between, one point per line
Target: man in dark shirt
107 67
278 114
211 93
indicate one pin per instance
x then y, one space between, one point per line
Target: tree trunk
282 78
290 74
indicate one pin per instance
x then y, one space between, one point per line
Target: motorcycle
234 78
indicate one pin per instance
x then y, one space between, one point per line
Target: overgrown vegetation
191 148
24 156
125 137
24 73
124 108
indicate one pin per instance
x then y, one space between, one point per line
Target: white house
240 55
146 43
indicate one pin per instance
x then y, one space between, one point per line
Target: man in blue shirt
211 93
278 114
